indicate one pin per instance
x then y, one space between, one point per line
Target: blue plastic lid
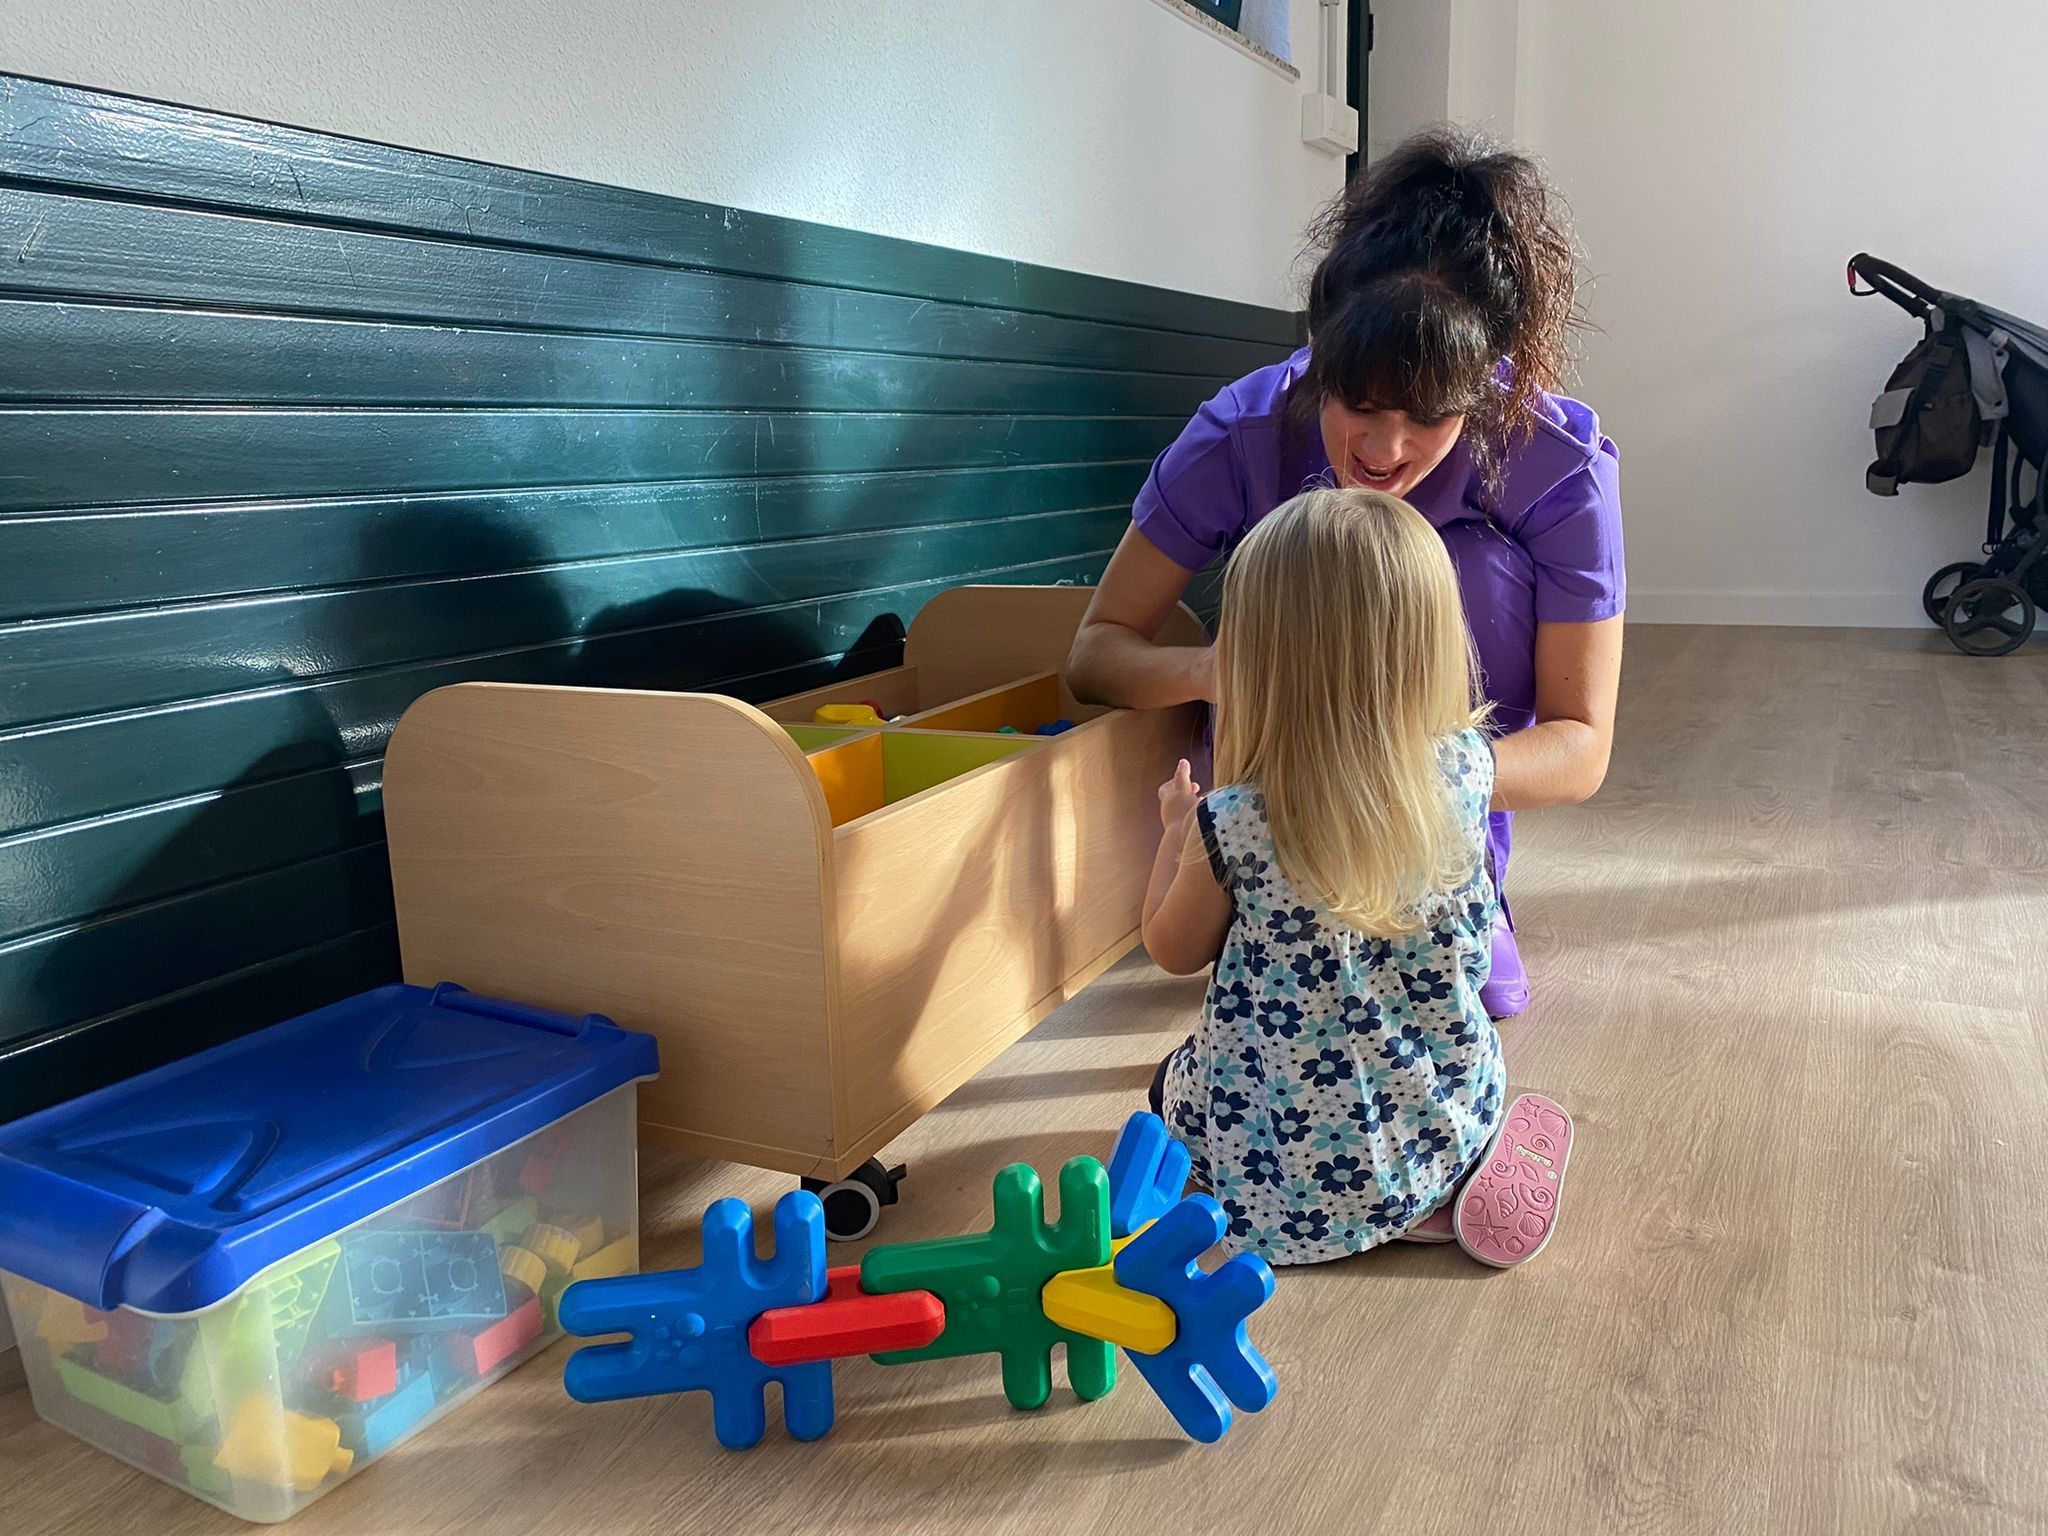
171 1190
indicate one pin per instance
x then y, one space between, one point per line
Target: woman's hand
1177 796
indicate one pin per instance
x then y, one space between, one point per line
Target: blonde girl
1346 1076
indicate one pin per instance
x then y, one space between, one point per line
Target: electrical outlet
1329 125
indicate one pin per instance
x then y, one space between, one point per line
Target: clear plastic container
327 1358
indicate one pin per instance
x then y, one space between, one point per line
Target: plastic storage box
253 1272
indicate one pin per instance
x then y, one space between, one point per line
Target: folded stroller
1977 378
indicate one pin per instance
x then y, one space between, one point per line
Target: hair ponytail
1441 261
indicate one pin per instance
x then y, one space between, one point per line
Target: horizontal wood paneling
81 562
147 353
89 246
74 769
293 429
66 137
56 668
86 457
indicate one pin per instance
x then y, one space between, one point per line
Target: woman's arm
1187 914
1562 758
1114 660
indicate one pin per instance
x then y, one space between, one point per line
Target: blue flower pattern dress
1341 1085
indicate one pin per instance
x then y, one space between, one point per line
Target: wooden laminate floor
1789 977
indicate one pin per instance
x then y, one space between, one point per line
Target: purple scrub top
1548 551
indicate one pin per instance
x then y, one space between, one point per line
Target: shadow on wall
205 916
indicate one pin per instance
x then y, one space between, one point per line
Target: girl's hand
1177 796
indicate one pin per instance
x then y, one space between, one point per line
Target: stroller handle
1895 283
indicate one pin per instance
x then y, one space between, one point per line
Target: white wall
1107 136
1724 162
1411 70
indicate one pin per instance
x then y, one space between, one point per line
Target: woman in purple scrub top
1440 319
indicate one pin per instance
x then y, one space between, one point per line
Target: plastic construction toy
1120 1267
688 1327
990 1283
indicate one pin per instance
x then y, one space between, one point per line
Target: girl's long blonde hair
1344 661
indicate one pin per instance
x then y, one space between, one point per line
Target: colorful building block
688 1328
846 714
847 1322
266 1444
1090 1301
382 1425
63 1323
196 1462
172 1416
524 1267
588 1232
537 1173
454 1204
482 1352
553 1246
620 1258
360 1370
413 1280
991 1282
283 1302
1148 1172
512 1222
125 1351
1211 1363
1055 728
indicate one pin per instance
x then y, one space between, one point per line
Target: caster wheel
1942 585
1989 617
854 1204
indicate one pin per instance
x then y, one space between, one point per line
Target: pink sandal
1508 1208
1433 1228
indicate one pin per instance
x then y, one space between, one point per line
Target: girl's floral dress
1340 1085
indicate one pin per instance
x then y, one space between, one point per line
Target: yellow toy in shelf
828 926
846 714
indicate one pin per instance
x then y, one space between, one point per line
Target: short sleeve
1194 503
1205 820
1468 765
1573 534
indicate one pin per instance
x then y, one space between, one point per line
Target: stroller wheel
1989 617
1941 586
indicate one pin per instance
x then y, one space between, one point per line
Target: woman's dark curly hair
1438 261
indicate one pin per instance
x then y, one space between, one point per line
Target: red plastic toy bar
847 1322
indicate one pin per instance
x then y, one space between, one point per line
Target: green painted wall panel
82 562
294 428
91 247
81 456
67 137
144 353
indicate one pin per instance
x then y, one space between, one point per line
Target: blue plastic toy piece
1056 727
404 1280
1211 1362
688 1327
391 1420
1148 1171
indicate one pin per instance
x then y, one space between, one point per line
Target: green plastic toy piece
990 1283
200 1471
294 1289
169 1418
253 1341
518 1217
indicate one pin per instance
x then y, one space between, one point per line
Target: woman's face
1384 450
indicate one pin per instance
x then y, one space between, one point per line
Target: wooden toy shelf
828 929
